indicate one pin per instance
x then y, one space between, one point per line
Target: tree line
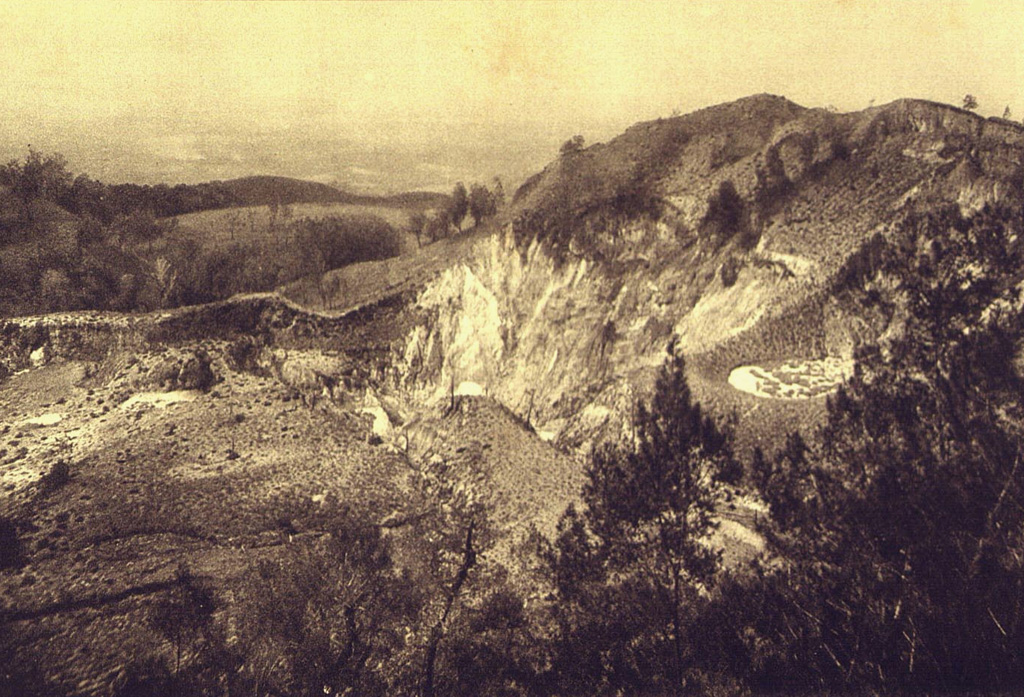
70 243
479 202
40 175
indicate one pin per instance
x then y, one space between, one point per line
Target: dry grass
257 224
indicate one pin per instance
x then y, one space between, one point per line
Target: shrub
329 615
196 373
347 240
729 271
11 550
726 212
573 145
244 354
184 614
57 477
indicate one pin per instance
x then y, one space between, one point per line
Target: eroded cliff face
567 346
727 232
568 331
521 329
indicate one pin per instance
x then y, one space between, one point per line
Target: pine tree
903 535
633 568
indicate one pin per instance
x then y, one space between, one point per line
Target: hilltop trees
482 203
459 205
970 102
38 176
479 202
418 226
573 145
499 192
79 244
46 177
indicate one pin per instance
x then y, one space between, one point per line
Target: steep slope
731 231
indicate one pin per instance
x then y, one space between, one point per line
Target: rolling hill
264 190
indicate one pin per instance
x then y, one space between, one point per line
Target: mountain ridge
726 228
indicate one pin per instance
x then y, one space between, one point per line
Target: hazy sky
167 79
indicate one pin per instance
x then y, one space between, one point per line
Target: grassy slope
254 224
525 480
370 282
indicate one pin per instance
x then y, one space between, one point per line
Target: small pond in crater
793 379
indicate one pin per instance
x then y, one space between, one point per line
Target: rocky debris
194 371
158 400
38 357
244 355
49 419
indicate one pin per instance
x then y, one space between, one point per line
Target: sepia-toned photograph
512 349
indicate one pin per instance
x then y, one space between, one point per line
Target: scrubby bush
11 551
729 271
58 475
573 145
330 616
346 240
184 614
726 213
196 372
244 354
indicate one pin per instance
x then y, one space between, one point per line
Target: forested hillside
72 243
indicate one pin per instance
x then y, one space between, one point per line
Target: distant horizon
215 154
393 96
191 156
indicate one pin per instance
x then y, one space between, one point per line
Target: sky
418 93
